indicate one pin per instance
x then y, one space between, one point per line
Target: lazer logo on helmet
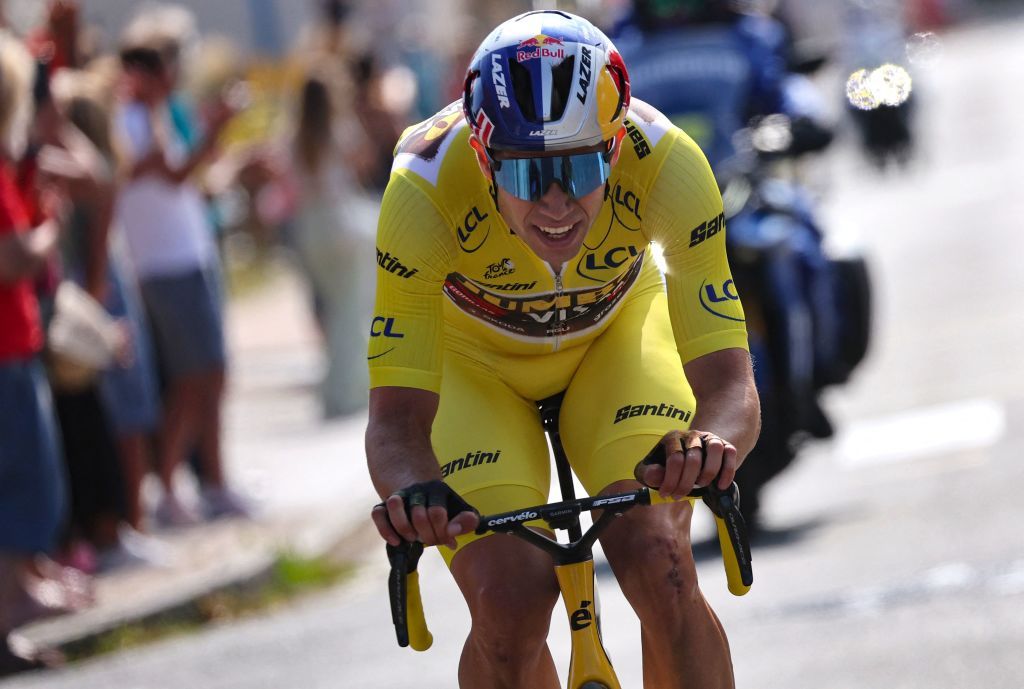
543 132
540 46
499 80
585 68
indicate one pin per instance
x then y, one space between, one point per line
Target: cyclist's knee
651 555
511 590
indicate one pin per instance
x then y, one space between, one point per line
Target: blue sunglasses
530 178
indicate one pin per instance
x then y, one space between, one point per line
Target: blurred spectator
171 245
32 482
60 152
56 41
130 402
334 225
381 125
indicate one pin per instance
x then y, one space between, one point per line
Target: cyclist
514 263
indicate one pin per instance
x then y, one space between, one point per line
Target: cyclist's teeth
556 230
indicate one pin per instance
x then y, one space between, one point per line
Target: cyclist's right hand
429 512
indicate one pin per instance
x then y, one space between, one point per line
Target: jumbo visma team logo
541 315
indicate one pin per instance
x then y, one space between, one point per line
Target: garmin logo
669 410
499 80
523 516
584 81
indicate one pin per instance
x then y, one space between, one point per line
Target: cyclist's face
554 225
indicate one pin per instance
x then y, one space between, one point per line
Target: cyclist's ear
481 157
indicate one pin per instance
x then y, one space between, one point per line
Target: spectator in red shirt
32 482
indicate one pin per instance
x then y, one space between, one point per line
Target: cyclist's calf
652 558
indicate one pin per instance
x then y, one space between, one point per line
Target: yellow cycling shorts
623 391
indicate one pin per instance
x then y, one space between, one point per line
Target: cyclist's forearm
398 449
394 466
732 412
397 462
727 403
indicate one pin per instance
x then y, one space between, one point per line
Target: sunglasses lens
530 178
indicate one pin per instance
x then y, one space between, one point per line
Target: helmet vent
561 86
522 88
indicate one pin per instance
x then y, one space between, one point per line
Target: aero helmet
546 81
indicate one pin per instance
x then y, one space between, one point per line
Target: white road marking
930 431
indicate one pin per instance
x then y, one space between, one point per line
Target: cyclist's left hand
684 459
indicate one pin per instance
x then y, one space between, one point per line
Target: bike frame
589 665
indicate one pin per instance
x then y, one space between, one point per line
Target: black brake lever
403 558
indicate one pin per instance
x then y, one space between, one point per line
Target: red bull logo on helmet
540 46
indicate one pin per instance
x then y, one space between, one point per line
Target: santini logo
669 410
391 264
707 230
471 459
524 516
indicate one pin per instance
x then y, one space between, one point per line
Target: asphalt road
897 553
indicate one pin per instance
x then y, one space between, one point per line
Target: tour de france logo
500 269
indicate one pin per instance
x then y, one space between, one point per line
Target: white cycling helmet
546 81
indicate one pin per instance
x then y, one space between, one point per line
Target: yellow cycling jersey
450 270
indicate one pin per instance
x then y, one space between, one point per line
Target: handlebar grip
732 533
420 637
406 601
739 577
732 537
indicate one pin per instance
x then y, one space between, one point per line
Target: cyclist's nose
555 202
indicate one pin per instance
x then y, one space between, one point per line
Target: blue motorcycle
808 314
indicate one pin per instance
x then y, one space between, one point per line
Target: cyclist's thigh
627 393
489 443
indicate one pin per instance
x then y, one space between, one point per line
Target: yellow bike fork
589 662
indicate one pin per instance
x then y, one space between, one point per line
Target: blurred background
189 201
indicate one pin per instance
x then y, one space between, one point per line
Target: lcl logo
711 297
383 327
469 225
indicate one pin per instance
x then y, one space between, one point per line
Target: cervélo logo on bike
523 516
